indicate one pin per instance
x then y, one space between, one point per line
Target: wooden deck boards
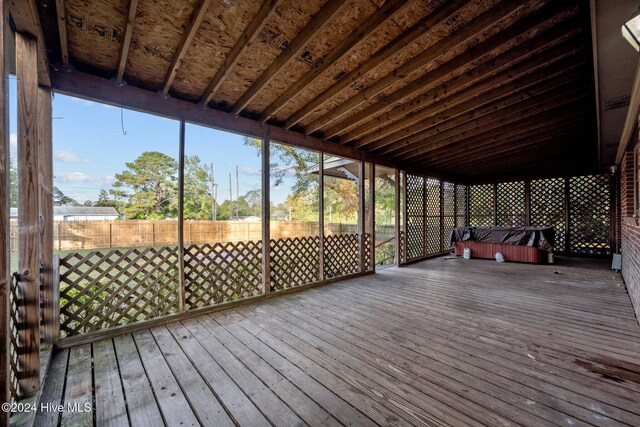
442 342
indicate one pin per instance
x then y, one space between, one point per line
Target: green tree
104 199
147 188
60 199
13 178
197 189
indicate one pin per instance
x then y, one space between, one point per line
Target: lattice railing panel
510 204
461 205
221 272
589 215
401 243
481 205
14 321
434 235
294 262
101 290
415 217
548 207
448 212
368 264
341 255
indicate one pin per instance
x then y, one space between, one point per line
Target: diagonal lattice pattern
14 349
448 212
481 205
294 262
341 255
589 215
510 204
220 272
461 205
101 290
548 207
415 216
433 233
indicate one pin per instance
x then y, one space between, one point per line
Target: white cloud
69 157
13 141
83 178
248 170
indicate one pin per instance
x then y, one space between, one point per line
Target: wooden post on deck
396 189
266 217
361 212
28 215
5 265
321 217
405 216
45 203
181 277
372 215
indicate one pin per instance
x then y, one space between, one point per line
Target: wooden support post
527 203
372 215
181 276
5 239
56 299
321 216
405 216
28 212
567 217
396 188
266 217
45 202
361 212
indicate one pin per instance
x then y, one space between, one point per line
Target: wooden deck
442 342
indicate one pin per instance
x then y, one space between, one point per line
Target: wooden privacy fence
109 288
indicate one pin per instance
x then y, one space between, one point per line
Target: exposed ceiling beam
502 97
26 19
450 94
62 32
461 62
346 45
499 121
185 42
469 30
403 40
265 12
328 11
126 40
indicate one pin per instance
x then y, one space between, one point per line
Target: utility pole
237 194
213 195
230 199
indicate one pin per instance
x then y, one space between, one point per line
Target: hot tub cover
541 237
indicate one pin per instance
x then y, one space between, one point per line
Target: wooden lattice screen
481 205
341 255
548 207
510 204
461 205
589 215
14 348
221 272
433 221
103 289
448 212
294 262
415 216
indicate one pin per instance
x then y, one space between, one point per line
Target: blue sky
90 147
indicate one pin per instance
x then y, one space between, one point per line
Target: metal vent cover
616 102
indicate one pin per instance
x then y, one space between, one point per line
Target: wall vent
617 102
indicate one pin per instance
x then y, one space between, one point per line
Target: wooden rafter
479 24
454 66
402 41
501 97
347 45
185 42
62 32
328 11
498 121
523 95
264 14
449 95
126 41
525 74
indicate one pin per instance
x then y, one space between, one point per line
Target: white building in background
79 213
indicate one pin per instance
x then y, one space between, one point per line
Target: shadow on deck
445 341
